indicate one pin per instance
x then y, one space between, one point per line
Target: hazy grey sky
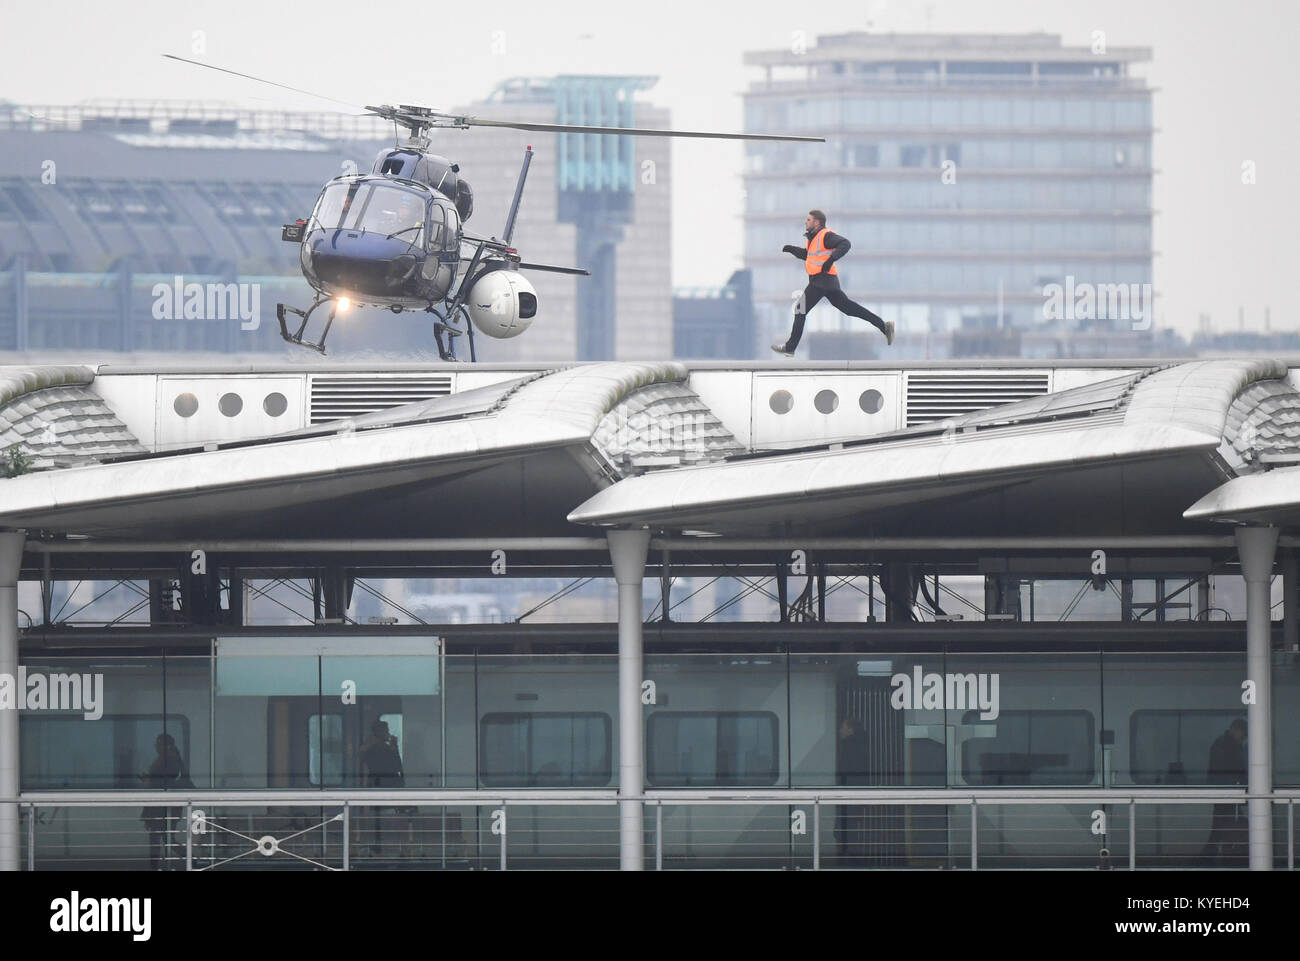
1228 91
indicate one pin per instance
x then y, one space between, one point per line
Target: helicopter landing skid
296 337
441 327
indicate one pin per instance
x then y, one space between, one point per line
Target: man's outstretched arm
838 246
800 252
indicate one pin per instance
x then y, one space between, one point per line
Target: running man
819 256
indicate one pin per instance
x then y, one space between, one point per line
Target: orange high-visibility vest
817 254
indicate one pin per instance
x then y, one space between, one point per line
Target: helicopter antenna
519 193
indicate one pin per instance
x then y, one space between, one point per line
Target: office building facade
974 174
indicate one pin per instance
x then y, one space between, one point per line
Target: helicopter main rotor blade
249 76
628 131
421 115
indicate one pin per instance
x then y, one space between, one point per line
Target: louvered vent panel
940 395
335 396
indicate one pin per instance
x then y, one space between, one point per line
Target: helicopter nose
363 265
357 273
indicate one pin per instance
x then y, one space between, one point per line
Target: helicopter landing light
342 305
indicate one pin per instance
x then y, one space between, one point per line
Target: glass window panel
325 733
1286 718
1078 113
698 749
1163 714
117 743
945 111
997 113
1030 748
261 707
1177 745
1023 721
1047 112
546 750
542 720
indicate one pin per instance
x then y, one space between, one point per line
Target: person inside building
1227 766
383 769
819 254
852 768
166 772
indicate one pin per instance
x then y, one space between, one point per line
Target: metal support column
1290 601
11 558
628 549
817 835
22 321
1256 547
665 586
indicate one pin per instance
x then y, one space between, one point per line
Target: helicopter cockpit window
373 208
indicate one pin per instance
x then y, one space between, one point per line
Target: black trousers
1229 833
813 295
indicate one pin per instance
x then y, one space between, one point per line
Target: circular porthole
826 401
230 404
275 404
187 405
871 401
781 401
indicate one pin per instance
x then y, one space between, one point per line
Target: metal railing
684 829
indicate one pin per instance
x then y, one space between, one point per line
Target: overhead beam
708 544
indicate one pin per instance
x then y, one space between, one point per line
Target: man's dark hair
819 215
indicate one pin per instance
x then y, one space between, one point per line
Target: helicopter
395 237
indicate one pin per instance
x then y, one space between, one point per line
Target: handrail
533 796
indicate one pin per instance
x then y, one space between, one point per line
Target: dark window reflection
1030 748
545 750
1173 746
66 751
699 748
